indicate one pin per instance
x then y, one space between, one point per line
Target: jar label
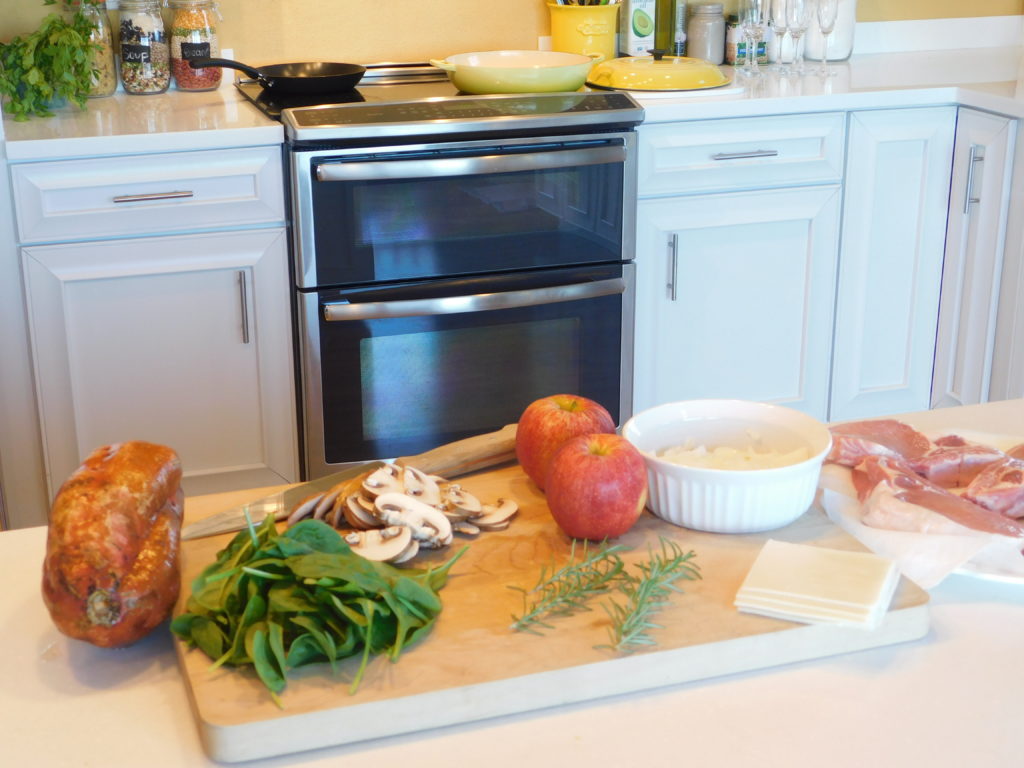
195 50
135 54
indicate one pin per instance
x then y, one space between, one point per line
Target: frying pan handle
201 62
443 64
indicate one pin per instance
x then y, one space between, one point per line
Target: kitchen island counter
946 700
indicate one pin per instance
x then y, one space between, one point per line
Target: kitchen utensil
473 666
657 73
729 500
517 71
451 460
296 77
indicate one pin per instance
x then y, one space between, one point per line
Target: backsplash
266 31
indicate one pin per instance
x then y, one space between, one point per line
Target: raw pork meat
954 462
1016 452
1000 487
907 486
855 440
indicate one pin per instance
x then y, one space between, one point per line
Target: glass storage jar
104 71
705 34
193 35
145 57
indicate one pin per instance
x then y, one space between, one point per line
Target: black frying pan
301 77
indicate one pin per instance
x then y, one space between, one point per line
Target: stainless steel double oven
463 258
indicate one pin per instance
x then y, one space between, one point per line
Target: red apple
596 486
549 422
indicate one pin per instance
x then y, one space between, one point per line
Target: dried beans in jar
193 35
145 59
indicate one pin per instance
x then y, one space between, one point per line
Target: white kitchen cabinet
896 192
736 294
180 340
975 239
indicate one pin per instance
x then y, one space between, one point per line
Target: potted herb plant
52 63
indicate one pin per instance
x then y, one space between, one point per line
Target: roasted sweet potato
111 572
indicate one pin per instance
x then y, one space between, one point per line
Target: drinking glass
779 18
752 16
798 19
827 10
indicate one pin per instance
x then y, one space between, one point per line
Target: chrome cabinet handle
243 299
468 166
152 196
673 265
745 155
335 311
977 155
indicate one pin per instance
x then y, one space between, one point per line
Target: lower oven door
398 369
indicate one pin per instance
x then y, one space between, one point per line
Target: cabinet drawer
148 194
740 153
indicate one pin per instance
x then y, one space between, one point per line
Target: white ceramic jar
705 34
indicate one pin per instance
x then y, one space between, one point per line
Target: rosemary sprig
645 594
566 590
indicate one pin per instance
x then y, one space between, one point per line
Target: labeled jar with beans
145 58
194 35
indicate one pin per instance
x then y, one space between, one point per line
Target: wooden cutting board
473 666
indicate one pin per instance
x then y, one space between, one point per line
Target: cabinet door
894 226
184 341
975 236
754 288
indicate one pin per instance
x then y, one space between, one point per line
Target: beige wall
267 31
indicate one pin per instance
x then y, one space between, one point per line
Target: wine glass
779 14
752 16
827 10
798 19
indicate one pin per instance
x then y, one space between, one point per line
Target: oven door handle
335 311
371 170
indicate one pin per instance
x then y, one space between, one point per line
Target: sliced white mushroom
460 501
326 503
386 479
357 516
382 544
429 525
465 527
304 508
421 486
496 517
408 553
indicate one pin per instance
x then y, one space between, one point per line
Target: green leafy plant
276 602
54 62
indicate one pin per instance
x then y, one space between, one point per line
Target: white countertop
985 78
126 124
948 700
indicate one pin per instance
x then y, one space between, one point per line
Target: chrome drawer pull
977 156
673 266
151 196
244 302
746 155
335 311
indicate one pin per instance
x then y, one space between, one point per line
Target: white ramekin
728 501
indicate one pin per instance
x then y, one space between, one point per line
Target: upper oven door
396 369
403 213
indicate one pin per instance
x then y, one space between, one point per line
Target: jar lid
709 8
645 73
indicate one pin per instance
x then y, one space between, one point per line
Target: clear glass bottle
705 34
104 75
145 55
194 34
